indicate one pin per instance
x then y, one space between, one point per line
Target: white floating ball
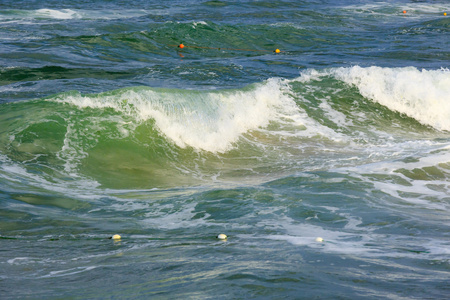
116 237
222 236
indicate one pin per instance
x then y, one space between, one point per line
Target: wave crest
211 121
420 94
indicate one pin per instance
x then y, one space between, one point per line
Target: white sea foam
17 175
350 242
414 9
353 240
68 272
20 260
63 14
421 181
184 217
195 24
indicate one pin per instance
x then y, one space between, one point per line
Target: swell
18 74
149 137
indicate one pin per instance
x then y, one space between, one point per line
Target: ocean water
327 165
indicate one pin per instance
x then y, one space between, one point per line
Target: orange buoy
181 46
404 11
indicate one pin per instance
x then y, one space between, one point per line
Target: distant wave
63 14
22 15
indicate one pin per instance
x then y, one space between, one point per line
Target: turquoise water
327 165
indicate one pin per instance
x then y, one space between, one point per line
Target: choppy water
107 127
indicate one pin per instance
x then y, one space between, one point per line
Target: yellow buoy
277 51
